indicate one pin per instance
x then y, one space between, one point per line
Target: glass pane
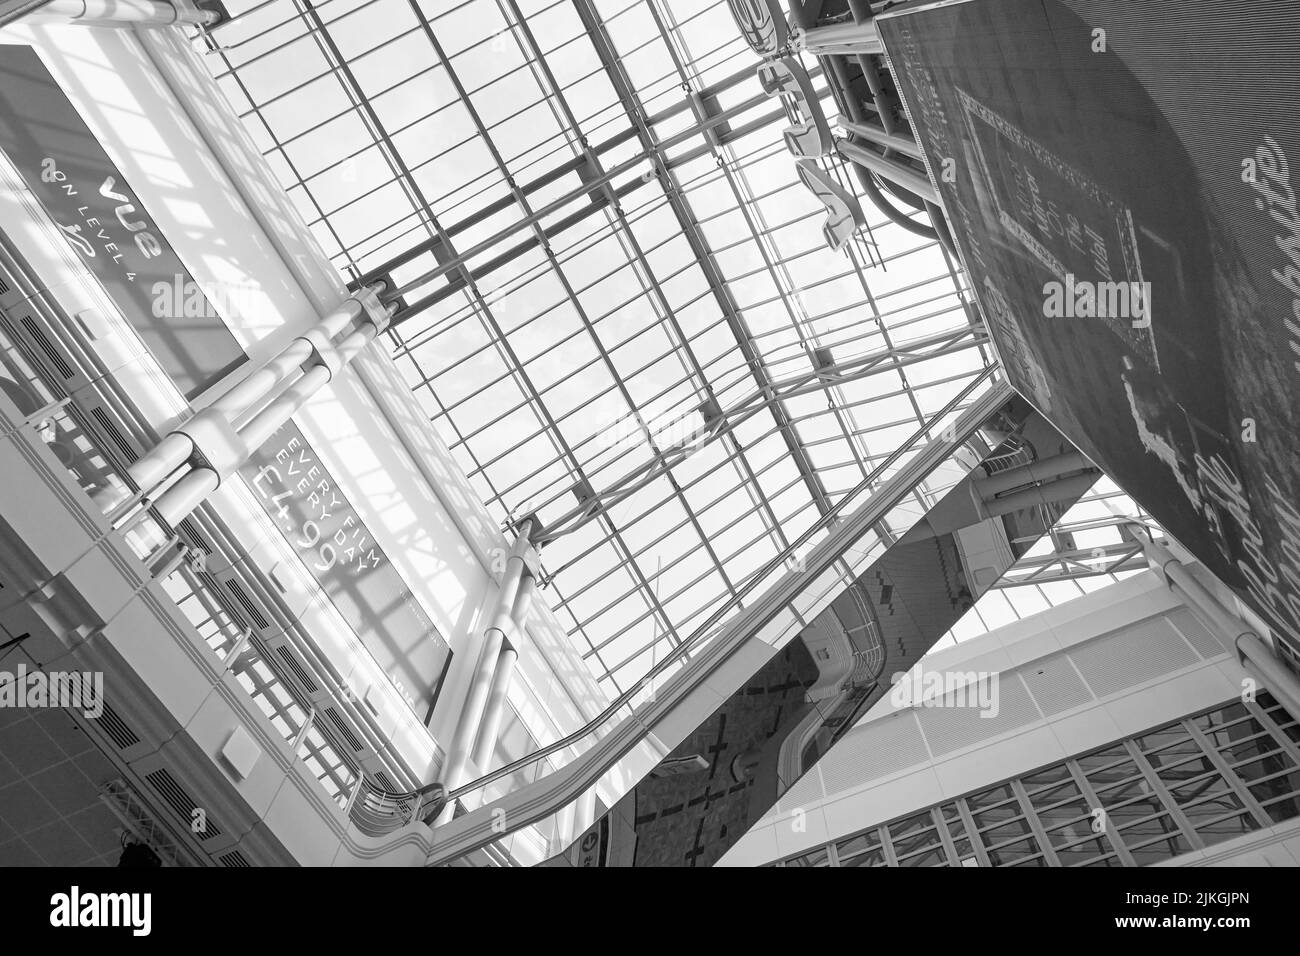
910 824
1045 798
869 858
934 857
1045 778
1101 758
818 857
1222 830
857 844
1005 832
1082 852
988 798
1160 850
1007 855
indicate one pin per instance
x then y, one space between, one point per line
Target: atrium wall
1077 677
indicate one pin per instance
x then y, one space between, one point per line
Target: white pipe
279 411
838 39
489 730
239 401
1254 654
878 136
149 470
908 179
468 727
122 12
1262 664
187 494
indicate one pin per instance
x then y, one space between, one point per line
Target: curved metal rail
430 799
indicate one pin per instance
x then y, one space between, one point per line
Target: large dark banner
1118 177
734 767
63 164
302 498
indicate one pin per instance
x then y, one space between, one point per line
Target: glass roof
1083 552
617 306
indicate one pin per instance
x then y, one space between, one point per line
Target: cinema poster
1121 182
108 227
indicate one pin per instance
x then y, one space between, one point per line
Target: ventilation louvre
192 537
1117 662
115 727
1205 642
246 603
50 351
874 749
344 730
1054 685
181 802
951 728
298 670
234 859
114 433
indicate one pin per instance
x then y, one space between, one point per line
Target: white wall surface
1134 636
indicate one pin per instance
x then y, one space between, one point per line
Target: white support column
483 680
490 727
586 813
212 444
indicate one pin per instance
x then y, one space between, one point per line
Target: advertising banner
302 498
65 167
1118 178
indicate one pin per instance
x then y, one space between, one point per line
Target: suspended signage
302 498
85 194
787 77
762 23
1124 203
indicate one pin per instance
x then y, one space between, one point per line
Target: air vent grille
114 433
874 749
116 729
182 803
234 859
50 351
246 603
1119 661
191 534
341 726
4 286
298 670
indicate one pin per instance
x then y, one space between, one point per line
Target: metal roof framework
615 302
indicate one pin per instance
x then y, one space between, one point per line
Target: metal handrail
126 512
438 793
